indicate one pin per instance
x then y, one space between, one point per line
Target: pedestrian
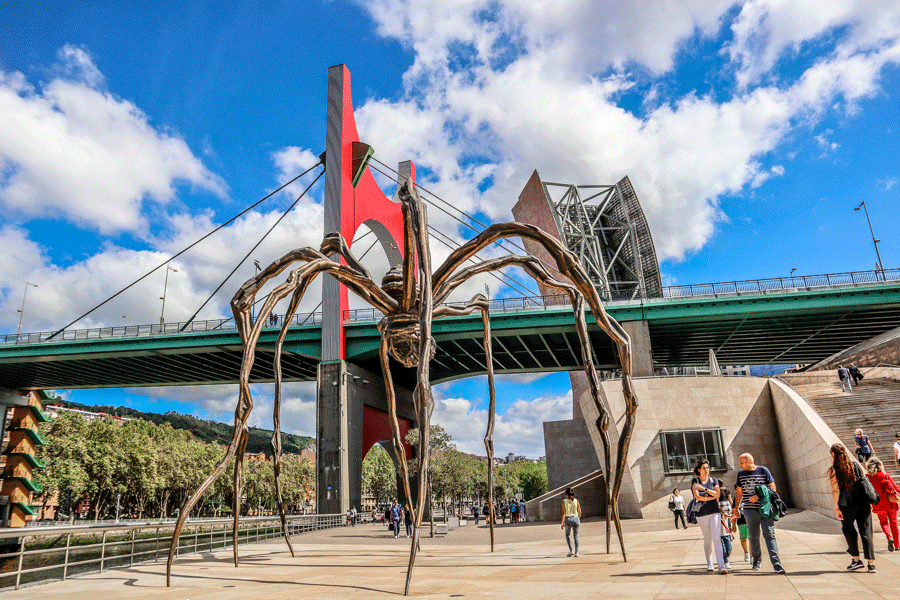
863 446
726 509
743 534
475 513
851 506
353 515
855 374
706 491
374 513
897 449
571 519
348 516
844 376
407 520
886 509
522 516
486 511
748 502
514 511
676 505
504 509
396 514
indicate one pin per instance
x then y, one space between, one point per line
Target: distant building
54 410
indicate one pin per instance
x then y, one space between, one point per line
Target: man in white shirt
897 449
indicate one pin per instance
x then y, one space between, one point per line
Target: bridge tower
351 407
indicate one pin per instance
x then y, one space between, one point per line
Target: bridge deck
530 562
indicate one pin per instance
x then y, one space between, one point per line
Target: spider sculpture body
409 304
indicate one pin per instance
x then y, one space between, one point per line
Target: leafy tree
379 475
64 456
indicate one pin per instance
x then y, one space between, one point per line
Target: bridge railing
53 553
134 331
748 286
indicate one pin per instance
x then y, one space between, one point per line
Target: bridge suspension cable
255 246
501 277
167 261
500 243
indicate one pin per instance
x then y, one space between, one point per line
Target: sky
750 131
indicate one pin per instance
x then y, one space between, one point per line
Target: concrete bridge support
351 417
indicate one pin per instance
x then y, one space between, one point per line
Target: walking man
746 500
844 376
396 516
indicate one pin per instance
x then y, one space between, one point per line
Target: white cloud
73 150
519 429
501 88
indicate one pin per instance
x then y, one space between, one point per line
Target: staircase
873 406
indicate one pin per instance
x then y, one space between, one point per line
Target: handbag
865 486
672 505
891 490
391 526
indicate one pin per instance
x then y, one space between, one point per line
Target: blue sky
750 130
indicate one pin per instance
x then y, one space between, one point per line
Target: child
726 509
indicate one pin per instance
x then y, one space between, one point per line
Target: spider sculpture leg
397 440
568 266
356 279
481 303
414 214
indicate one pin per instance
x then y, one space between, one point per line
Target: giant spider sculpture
409 303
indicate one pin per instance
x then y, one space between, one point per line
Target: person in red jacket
885 509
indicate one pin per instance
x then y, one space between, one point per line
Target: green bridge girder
759 328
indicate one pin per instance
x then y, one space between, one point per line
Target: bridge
770 321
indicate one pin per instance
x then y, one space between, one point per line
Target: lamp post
874 239
162 314
22 311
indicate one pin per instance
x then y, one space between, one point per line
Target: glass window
682 450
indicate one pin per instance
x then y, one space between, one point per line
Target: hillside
206 431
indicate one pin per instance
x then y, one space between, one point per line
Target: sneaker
576 555
723 571
872 568
779 570
746 557
755 566
728 565
570 553
891 546
855 565
710 567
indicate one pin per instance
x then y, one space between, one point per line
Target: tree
379 475
64 456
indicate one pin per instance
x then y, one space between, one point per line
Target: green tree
64 456
379 475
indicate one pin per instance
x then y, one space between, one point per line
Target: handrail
726 288
201 535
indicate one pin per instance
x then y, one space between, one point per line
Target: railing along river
58 552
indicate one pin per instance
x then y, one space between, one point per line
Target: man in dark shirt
745 497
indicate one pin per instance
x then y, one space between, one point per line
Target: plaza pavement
529 562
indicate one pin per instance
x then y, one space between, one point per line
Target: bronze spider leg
241 305
568 265
414 214
480 302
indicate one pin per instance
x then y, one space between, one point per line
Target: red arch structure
347 208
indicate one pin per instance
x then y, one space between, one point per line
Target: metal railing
136 331
515 304
53 553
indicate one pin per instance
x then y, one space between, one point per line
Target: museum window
682 449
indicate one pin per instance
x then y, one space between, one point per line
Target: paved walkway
530 562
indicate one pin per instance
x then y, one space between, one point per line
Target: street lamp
162 314
22 311
129 319
792 271
874 239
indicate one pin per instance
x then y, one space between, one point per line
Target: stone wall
806 451
570 453
741 406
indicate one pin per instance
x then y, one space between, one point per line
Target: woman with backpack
706 491
886 509
851 506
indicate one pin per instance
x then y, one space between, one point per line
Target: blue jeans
726 546
572 524
755 522
846 382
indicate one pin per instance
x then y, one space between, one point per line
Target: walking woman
571 511
885 509
706 491
676 501
851 506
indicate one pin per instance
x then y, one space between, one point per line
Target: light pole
129 319
792 272
162 314
874 239
22 311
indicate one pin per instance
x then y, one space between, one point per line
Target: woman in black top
706 491
851 506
